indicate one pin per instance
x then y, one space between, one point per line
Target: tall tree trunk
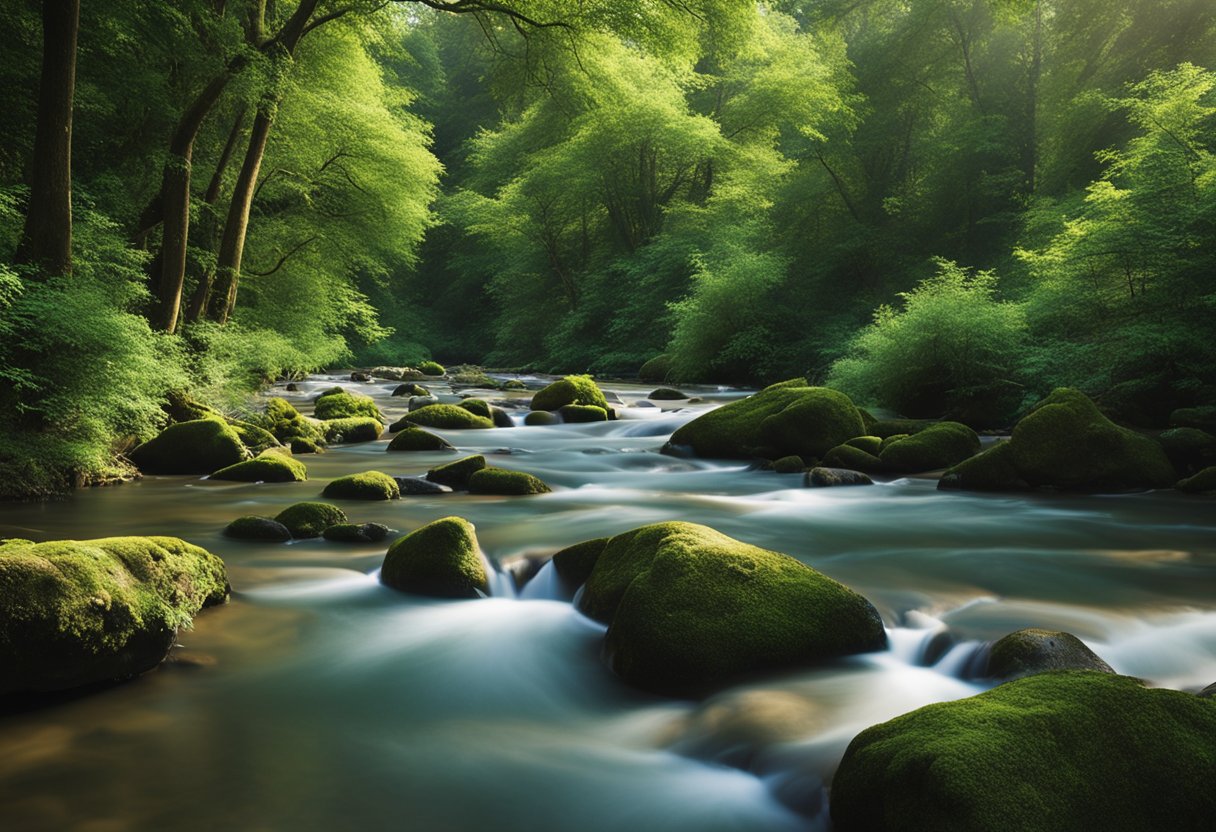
232 244
206 276
1030 155
46 240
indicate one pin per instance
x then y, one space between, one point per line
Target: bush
952 350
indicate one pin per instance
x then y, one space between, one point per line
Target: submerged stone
441 559
1071 751
78 612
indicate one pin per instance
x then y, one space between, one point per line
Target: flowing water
320 700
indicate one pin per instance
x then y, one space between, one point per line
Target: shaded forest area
941 207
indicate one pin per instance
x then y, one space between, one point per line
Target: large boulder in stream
289 426
414 438
1067 444
309 519
1072 751
197 447
443 416
938 446
689 608
352 429
343 405
270 466
441 559
1030 651
787 418
368 485
78 612
581 390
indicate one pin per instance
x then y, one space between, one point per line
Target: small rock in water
291 387
644 403
356 533
1030 651
358 376
663 394
828 477
413 486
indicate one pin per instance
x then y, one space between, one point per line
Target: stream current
318 699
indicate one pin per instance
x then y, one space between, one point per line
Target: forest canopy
942 207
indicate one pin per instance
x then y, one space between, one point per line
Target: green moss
508 483
689 608
1189 449
870 444
256 439
252 527
456 474
473 378
576 413
441 559
197 447
356 533
854 459
890 427
1203 418
992 470
417 439
269 467
656 369
891 440
345 405
411 388
305 446
369 485
477 407
286 424
1202 483
305 520
1066 443
182 407
574 563
79 612
789 465
431 368
354 429
445 416
514 384
666 394
938 446
570 390
1030 651
1069 752
541 417
787 418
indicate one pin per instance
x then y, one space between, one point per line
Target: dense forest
940 207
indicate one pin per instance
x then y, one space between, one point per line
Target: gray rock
1030 651
414 486
829 477
421 401
356 533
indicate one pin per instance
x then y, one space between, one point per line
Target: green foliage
952 349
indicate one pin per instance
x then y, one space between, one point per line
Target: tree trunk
46 240
205 277
232 245
1030 155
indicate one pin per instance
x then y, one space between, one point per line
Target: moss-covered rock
301 445
456 474
508 483
255 438
574 563
356 532
853 458
884 428
1030 651
410 388
368 485
1202 418
891 440
501 418
442 559
541 417
478 407
1189 449
1202 483
787 418
581 413
197 447
345 405
689 608
445 417
1066 443
656 369
306 520
416 439
938 446
514 385
268 467
1067 752
473 378
77 612
431 368
252 527
821 477
870 444
570 390
792 464
666 394
287 425
354 429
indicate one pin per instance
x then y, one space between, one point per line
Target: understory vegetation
940 207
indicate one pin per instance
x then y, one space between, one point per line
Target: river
320 700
